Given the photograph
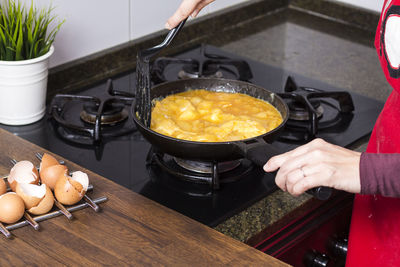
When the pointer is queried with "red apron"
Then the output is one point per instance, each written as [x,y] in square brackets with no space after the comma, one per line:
[375,227]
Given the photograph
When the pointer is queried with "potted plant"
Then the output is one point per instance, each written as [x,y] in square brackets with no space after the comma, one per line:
[26,43]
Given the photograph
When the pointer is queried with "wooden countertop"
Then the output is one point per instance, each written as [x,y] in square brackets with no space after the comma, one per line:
[130,230]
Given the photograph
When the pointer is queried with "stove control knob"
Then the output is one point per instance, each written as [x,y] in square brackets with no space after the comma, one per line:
[338,248]
[316,259]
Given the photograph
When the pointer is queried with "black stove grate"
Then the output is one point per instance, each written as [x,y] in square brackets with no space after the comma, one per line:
[204,64]
[96,124]
[312,110]
[212,181]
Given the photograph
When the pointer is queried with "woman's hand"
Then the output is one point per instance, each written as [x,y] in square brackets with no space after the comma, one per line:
[317,163]
[187,7]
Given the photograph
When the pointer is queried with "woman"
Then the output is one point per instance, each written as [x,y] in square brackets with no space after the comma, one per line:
[374,175]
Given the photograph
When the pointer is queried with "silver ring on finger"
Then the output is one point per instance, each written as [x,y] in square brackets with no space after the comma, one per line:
[302,171]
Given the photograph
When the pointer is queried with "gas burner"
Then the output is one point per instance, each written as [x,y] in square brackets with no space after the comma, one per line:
[204,65]
[206,167]
[298,111]
[209,174]
[190,71]
[87,119]
[112,113]
[308,106]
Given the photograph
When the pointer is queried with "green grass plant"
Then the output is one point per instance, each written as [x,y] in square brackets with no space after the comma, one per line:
[25,33]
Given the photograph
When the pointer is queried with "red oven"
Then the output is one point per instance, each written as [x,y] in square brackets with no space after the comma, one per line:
[315,235]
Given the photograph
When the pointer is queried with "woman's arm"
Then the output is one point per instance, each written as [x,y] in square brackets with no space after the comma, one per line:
[187,8]
[380,174]
[319,163]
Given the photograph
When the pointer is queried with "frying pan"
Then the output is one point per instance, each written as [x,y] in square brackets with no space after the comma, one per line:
[256,149]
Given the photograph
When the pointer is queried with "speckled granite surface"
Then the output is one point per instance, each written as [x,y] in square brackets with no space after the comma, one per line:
[335,47]
[319,48]
[261,215]
[339,11]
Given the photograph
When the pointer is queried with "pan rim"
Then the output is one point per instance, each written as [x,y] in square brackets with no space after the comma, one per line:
[251,139]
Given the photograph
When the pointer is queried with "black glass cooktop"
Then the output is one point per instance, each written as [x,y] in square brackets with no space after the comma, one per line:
[123,159]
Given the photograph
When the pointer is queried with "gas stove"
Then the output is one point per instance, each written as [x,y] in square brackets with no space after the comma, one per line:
[94,129]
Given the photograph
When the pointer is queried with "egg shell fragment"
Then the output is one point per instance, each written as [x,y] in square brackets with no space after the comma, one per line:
[81,178]
[45,204]
[23,172]
[12,207]
[47,161]
[31,194]
[70,189]
[3,186]
[50,175]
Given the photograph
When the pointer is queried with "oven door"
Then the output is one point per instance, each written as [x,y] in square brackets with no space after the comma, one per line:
[317,237]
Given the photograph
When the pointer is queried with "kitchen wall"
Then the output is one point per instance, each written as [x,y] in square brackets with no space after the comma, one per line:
[94,25]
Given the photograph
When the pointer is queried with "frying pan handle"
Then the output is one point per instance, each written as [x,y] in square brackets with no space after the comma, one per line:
[260,152]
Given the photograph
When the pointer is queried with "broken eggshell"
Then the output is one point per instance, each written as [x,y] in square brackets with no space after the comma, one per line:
[38,199]
[3,186]
[23,172]
[50,175]
[70,189]
[47,161]
[45,205]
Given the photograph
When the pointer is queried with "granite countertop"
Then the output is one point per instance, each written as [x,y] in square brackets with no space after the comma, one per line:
[330,53]
[315,38]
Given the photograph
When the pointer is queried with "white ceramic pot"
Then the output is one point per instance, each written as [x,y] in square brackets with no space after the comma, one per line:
[23,88]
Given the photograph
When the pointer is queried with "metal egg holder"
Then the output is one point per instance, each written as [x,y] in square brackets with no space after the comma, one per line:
[62,210]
